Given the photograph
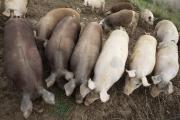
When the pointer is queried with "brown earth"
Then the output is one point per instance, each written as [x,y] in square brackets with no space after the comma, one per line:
[138,106]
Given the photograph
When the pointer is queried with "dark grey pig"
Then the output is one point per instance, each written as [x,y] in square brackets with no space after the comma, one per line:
[83,60]
[23,63]
[60,47]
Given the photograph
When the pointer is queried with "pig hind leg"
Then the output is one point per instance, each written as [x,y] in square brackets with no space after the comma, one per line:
[51,79]
[69,87]
[68,75]
[26,105]
[61,71]
[81,93]
[65,73]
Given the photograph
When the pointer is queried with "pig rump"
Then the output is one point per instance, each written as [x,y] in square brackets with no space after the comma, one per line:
[166,68]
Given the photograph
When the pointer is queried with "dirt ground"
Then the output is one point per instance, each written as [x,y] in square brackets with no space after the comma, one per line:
[138,106]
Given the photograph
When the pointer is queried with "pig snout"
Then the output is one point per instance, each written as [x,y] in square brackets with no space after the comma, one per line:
[81,94]
[90,98]
[165,87]
[131,84]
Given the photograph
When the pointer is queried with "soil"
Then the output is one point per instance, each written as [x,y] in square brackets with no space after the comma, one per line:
[138,106]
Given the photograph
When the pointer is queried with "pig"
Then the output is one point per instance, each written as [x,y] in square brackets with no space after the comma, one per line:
[49,21]
[165,30]
[19,7]
[23,63]
[120,6]
[126,18]
[59,48]
[166,68]
[109,67]
[83,60]
[142,62]
[100,4]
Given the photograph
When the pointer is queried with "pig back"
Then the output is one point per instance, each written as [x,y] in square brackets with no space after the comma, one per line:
[144,55]
[121,18]
[51,19]
[63,39]
[86,51]
[121,6]
[22,59]
[167,58]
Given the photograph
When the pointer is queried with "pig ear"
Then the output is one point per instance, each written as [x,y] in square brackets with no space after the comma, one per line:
[101,22]
[147,33]
[156,79]
[108,13]
[104,96]
[131,73]
[6,13]
[91,84]
[69,87]
[84,90]
[145,82]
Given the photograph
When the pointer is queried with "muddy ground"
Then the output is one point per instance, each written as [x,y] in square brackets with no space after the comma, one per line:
[138,106]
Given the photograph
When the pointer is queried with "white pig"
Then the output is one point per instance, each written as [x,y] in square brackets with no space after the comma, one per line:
[100,4]
[110,65]
[165,30]
[142,62]
[18,6]
[166,68]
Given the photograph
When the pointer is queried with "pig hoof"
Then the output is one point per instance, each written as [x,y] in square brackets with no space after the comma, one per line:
[104,96]
[51,80]
[170,88]
[26,108]
[79,101]
[48,97]
[69,87]
[69,75]
[86,104]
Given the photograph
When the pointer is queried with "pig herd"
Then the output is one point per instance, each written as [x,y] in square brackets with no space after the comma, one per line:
[78,56]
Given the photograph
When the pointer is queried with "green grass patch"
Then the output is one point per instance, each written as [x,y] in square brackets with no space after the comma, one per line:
[63,104]
[160,11]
